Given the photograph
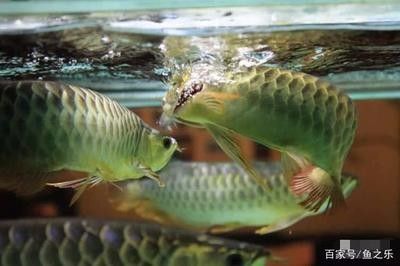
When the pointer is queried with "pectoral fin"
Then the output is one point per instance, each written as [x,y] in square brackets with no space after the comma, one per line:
[229,144]
[80,185]
[69,184]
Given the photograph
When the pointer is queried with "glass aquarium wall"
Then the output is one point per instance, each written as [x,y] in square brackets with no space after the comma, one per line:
[120,47]
[129,51]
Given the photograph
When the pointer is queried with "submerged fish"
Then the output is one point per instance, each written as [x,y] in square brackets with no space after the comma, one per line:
[307,119]
[218,197]
[48,126]
[99,242]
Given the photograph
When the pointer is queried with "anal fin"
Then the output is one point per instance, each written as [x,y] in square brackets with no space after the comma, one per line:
[228,143]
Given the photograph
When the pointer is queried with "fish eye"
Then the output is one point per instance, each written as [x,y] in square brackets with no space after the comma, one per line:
[234,260]
[167,142]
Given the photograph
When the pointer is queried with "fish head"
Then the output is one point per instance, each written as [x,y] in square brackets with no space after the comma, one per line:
[171,98]
[182,102]
[216,254]
[159,150]
[179,103]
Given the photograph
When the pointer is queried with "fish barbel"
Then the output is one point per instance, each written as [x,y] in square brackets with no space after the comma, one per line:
[217,197]
[48,126]
[51,242]
[307,119]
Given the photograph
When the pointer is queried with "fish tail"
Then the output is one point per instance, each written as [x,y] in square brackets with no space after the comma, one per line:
[319,187]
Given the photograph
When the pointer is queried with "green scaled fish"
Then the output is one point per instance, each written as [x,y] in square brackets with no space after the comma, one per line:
[52,242]
[47,126]
[307,119]
[218,197]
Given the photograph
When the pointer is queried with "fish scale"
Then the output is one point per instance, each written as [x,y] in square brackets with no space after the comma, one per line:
[212,198]
[310,121]
[50,126]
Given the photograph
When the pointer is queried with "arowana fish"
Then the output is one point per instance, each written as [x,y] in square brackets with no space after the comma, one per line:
[48,126]
[217,197]
[51,242]
[307,119]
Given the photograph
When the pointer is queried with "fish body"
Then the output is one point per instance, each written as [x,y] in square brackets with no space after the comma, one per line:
[218,197]
[43,242]
[46,127]
[307,119]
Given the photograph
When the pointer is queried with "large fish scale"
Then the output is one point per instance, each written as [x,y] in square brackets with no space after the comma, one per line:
[310,113]
[308,120]
[90,242]
[49,126]
[205,195]
[63,121]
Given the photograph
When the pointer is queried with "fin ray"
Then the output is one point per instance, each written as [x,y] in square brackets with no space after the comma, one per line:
[319,187]
[228,143]
[292,164]
[289,167]
[80,185]
[152,175]
[68,184]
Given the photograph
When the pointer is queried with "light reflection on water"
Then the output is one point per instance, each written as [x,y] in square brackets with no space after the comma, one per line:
[134,66]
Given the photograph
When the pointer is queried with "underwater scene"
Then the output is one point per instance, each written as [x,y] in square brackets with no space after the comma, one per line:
[191,133]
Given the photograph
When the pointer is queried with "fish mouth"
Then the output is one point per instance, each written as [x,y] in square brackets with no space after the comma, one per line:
[188,93]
